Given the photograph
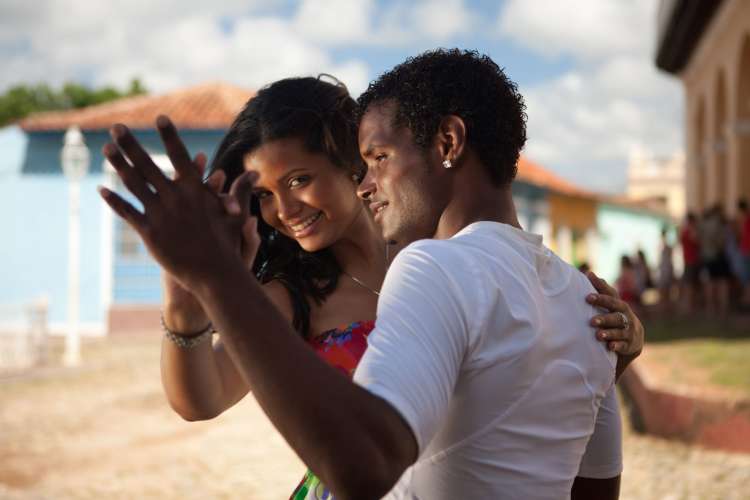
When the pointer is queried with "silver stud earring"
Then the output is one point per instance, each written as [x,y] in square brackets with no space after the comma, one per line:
[447,164]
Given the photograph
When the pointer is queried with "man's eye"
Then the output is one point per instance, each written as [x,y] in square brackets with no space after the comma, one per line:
[298,181]
[262,194]
[380,157]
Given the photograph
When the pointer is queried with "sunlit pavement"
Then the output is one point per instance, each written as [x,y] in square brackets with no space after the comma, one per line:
[105,431]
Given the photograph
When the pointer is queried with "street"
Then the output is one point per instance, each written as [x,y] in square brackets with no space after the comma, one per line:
[105,430]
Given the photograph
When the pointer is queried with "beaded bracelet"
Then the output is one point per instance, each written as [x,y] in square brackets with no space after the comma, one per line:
[185,341]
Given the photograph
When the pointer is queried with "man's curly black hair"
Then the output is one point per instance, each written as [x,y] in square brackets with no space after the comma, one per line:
[442,82]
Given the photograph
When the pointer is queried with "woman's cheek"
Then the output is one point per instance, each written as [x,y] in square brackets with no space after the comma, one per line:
[268,214]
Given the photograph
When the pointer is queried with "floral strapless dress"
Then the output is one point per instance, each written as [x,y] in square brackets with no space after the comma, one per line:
[342,348]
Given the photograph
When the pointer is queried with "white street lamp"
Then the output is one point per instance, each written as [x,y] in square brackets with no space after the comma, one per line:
[75,163]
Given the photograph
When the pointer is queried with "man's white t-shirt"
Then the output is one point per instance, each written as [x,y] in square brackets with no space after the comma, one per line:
[482,343]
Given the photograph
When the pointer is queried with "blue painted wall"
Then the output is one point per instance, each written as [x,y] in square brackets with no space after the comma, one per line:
[34,257]
[136,277]
[34,203]
[43,151]
[12,148]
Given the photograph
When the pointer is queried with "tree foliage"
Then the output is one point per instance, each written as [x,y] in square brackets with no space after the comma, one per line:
[21,100]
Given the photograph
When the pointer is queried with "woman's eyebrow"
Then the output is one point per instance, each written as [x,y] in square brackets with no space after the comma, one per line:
[291,173]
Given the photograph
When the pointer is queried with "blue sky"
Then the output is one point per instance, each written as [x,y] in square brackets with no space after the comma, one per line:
[585,67]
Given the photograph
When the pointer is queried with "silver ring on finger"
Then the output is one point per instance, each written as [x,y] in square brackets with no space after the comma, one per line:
[625,321]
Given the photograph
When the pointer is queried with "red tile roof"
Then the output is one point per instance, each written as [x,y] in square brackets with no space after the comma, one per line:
[205,106]
[532,173]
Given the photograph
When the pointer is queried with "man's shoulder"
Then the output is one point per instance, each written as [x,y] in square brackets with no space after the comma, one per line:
[446,264]
[474,237]
[439,252]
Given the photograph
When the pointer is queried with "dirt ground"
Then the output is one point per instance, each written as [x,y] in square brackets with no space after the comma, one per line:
[672,366]
[105,431]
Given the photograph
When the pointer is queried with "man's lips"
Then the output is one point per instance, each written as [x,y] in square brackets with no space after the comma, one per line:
[377,207]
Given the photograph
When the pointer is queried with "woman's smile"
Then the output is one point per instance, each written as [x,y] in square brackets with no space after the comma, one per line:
[306,226]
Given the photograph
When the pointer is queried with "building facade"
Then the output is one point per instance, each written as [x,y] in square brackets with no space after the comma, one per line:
[658,179]
[707,45]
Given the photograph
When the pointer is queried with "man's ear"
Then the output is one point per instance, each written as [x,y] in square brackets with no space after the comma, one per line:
[451,138]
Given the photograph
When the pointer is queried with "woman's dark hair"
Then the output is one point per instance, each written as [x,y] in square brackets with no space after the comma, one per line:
[323,116]
[443,82]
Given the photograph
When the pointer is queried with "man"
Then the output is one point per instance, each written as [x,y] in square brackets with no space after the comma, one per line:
[461,134]
[466,390]
[691,256]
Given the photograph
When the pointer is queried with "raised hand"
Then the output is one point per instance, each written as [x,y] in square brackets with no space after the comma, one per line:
[190,231]
[182,311]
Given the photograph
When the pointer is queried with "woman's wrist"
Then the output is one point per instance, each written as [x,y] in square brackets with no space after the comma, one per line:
[187,341]
[184,320]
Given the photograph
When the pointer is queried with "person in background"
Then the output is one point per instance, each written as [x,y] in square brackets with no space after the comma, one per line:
[691,256]
[666,272]
[712,234]
[627,283]
[743,231]
[643,278]
[737,277]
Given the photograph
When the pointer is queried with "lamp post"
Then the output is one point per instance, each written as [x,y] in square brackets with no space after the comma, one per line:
[75,163]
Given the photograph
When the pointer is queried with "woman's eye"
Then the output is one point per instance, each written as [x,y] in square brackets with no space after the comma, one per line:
[380,157]
[298,181]
[262,194]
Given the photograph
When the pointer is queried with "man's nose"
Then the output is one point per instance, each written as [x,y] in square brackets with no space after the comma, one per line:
[367,188]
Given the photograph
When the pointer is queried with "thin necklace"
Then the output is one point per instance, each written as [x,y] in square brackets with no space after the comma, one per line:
[360,283]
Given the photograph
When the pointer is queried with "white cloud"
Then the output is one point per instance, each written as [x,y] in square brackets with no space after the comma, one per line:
[364,23]
[442,19]
[334,21]
[173,43]
[585,122]
[355,74]
[168,44]
[584,126]
[582,28]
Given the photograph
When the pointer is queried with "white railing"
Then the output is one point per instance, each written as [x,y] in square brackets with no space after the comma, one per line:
[23,335]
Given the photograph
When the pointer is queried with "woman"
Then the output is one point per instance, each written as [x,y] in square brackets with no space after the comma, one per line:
[321,257]
[712,233]
[627,282]
[666,272]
